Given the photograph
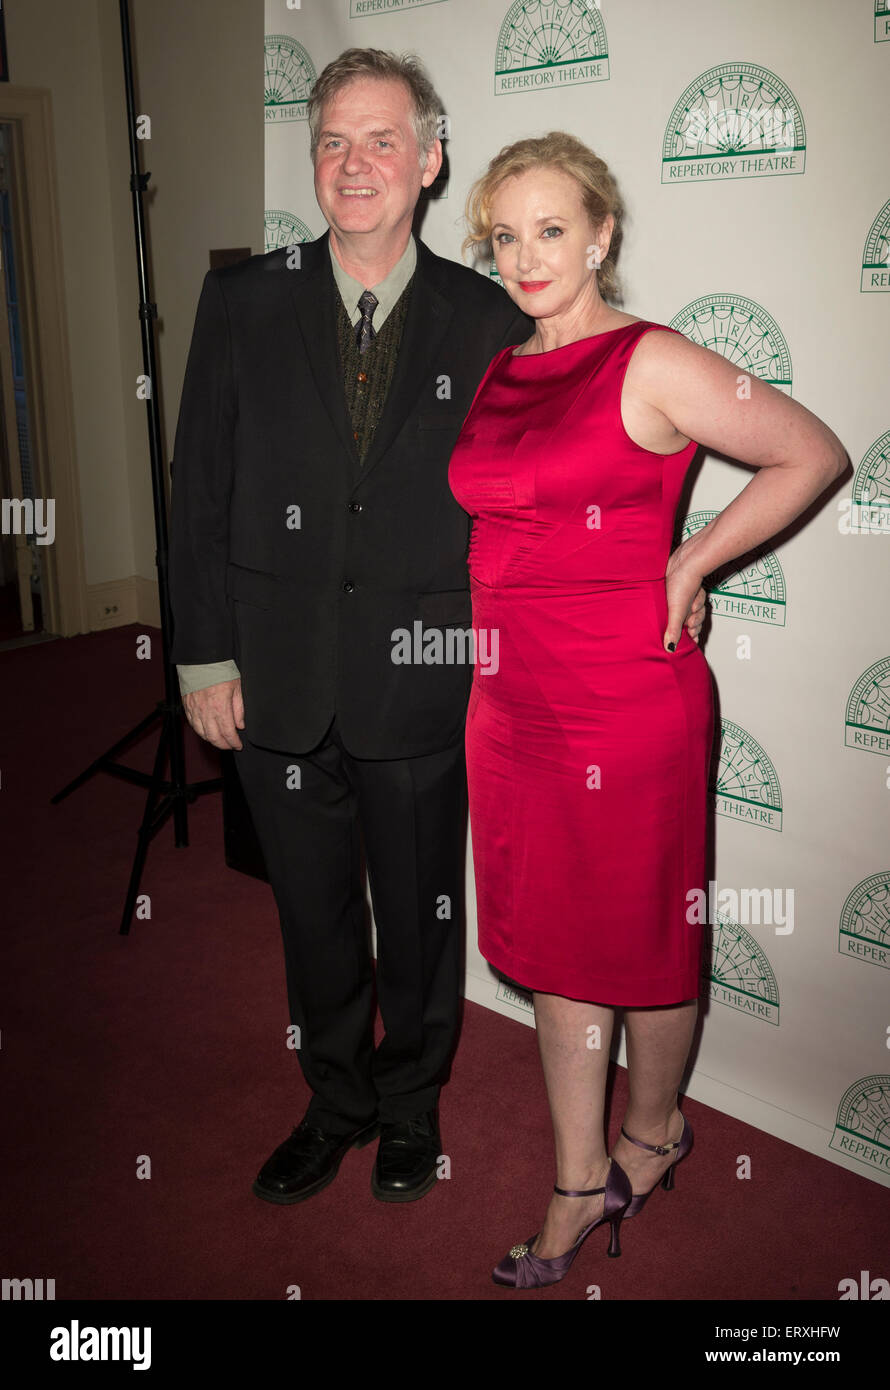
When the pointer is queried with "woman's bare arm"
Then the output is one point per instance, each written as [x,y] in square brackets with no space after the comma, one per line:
[707,398]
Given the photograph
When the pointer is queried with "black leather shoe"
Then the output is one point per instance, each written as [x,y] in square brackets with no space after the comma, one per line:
[306,1162]
[406,1158]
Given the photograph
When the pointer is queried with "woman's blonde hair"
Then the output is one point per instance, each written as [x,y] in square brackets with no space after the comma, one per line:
[557,150]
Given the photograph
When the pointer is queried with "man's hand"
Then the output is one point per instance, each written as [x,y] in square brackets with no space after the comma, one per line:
[216,713]
[686,598]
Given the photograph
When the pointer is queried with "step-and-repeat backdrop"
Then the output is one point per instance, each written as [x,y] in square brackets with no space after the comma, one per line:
[750,150]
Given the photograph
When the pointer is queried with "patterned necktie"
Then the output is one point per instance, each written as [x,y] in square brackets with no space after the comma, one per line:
[364,332]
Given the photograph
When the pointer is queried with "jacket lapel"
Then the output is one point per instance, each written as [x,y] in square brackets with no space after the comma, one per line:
[315,298]
[427,320]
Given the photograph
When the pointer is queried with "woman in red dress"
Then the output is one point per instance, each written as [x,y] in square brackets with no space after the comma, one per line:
[590,725]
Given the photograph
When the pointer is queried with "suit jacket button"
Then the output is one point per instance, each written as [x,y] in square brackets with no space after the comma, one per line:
[355,506]
[348,586]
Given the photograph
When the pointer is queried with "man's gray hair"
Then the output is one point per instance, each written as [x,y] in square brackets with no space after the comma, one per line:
[375,62]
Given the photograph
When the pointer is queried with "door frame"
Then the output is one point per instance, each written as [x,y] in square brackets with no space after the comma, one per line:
[39,267]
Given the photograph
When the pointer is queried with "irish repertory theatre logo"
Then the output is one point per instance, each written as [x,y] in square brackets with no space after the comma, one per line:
[864,930]
[512,994]
[868,710]
[741,331]
[734,121]
[862,1127]
[866,512]
[882,20]
[876,254]
[549,44]
[284,229]
[289,79]
[747,787]
[359,9]
[755,593]
[740,974]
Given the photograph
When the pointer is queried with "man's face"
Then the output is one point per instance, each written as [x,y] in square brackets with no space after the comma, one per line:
[368,174]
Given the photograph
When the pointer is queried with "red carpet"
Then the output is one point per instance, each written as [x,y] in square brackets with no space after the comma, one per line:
[171,1044]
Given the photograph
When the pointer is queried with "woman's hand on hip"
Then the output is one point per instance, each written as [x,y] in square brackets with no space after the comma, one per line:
[686,599]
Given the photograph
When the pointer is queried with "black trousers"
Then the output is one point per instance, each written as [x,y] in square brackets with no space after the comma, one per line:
[308,811]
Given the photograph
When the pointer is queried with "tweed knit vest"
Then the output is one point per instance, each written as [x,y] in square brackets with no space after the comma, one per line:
[367,375]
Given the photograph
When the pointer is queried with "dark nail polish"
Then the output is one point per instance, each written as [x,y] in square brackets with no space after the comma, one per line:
[671,646]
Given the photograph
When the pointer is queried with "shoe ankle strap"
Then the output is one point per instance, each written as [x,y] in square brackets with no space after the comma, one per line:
[588,1192]
[654,1148]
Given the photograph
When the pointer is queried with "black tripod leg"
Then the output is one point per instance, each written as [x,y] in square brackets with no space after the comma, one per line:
[143,838]
[108,756]
[177,778]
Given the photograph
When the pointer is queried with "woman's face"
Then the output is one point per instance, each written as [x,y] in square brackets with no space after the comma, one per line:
[545,243]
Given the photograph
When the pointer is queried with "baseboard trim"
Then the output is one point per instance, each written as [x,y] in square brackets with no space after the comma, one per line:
[122,601]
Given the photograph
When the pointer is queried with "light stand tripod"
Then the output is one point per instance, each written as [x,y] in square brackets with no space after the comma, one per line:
[165,795]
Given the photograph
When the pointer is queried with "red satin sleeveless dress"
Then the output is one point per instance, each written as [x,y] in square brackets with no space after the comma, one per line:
[587,742]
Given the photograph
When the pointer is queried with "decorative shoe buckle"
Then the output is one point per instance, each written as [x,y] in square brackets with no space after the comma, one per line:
[517,1251]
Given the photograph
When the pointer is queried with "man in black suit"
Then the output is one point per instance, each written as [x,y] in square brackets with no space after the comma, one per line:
[311,522]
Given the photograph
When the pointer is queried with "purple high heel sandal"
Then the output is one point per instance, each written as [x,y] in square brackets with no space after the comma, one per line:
[521,1269]
[682,1145]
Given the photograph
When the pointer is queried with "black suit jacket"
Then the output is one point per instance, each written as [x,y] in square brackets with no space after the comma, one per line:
[307,601]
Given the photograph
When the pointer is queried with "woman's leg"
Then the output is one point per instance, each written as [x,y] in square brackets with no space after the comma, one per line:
[658,1042]
[575,1059]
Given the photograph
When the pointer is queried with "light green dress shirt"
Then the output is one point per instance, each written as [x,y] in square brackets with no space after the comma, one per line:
[388,291]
